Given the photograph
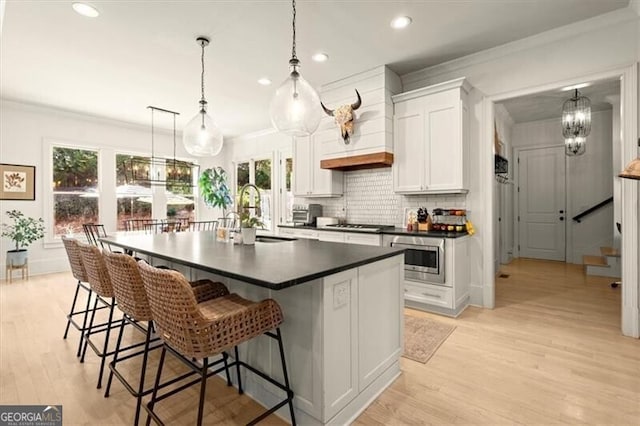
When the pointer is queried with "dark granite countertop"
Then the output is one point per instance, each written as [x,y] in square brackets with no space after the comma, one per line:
[394,231]
[271,265]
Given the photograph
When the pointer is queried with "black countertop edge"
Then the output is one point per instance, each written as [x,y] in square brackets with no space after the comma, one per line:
[394,231]
[260,283]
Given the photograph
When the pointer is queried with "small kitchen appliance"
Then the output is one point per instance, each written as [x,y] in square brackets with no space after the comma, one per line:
[324,221]
[306,214]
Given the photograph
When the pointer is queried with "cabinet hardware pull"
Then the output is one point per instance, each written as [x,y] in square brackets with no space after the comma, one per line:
[437,296]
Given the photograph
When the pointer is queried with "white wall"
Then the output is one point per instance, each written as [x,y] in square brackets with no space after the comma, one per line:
[589,180]
[600,44]
[24,134]
[503,200]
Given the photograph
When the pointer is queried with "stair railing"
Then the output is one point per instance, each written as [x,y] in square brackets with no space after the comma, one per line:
[590,210]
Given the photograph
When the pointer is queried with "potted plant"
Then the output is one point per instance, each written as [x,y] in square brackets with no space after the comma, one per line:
[23,232]
[248,226]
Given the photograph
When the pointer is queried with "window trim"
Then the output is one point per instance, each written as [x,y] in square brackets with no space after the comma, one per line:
[50,239]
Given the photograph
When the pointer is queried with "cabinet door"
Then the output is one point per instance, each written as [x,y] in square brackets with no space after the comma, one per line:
[444,141]
[331,236]
[409,160]
[324,183]
[363,239]
[301,166]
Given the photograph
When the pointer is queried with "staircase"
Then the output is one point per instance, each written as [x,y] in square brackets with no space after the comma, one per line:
[605,265]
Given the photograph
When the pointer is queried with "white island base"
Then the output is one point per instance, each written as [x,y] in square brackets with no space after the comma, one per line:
[343,339]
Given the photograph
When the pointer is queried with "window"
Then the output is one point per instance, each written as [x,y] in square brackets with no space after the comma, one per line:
[75,189]
[287,199]
[258,172]
[134,201]
[180,191]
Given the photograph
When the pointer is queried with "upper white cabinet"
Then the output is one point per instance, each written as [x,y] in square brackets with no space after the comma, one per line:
[431,139]
[309,180]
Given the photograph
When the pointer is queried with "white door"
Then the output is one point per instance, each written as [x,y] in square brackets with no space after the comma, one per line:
[541,213]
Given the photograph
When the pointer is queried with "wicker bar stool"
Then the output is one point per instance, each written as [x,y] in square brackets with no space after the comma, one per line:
[199,331]
[101,286]
[79,273]
[132,301]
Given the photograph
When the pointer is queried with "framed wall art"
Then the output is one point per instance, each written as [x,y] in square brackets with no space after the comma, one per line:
[17,182]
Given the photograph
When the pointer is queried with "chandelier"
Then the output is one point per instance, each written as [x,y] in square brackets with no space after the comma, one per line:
[158,170]
[201,137]
[295,107]
[576,123]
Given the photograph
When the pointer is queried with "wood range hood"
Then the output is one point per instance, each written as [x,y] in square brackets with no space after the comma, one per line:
[359,162]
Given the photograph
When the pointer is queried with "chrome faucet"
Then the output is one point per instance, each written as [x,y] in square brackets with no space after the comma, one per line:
[241,208]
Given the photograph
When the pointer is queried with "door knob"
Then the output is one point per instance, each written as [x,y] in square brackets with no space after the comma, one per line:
[561,211]
[561,218]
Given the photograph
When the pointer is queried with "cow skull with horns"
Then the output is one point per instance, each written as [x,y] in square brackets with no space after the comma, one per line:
[344,117]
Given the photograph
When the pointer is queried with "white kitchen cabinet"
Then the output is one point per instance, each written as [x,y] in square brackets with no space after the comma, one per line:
[331,236]
[431,139]
[309,180]
[309,234]
[351,238]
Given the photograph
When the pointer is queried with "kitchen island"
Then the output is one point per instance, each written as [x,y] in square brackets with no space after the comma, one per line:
[342,306]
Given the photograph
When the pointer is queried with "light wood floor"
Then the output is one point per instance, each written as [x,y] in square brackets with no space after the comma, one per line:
[549,353]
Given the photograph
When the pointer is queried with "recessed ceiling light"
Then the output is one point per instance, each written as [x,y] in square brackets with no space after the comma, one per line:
[264,81]
[320,57]
[400,22]
[85,9]
[575,86]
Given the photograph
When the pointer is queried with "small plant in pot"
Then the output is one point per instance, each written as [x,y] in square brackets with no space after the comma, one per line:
[248,228]
[23,232]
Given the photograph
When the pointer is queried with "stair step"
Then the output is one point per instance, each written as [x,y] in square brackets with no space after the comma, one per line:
[609,251]
[595,261]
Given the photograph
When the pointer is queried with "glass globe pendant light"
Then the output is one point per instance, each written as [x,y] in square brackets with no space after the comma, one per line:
[201,137]
[575,146]
[576,124]
[295,107]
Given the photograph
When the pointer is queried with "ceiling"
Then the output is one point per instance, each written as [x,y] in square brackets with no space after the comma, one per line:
[139,53]
[548,105]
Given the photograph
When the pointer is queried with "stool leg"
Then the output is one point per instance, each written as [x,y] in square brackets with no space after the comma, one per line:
[84,321]
[203,389]
[145,356]
[73,307]
[225,357]
[88,331]
[156,385]
[286,376]
[115,357]
[106,343]
[240,391]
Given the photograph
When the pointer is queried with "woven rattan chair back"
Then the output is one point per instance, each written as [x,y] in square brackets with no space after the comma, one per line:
[127,285]
[96,270]
[205,225]
[198,332]
[75,259]
[174,308]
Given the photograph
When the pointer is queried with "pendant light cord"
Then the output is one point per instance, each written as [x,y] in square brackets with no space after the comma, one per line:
[293,24]
[202,100]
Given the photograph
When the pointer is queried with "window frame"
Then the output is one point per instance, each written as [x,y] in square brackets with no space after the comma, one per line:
[50,239]
[275,184]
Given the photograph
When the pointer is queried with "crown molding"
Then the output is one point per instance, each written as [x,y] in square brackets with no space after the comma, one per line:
[617,17]
[67,113]
[458,83]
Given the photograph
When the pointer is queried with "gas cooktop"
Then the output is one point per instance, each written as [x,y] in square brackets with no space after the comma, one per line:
[360,228]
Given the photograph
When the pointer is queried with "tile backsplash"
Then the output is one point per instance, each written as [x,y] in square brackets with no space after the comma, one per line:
[369,199]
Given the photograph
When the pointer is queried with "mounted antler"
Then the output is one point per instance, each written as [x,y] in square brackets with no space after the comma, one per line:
[344,117]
